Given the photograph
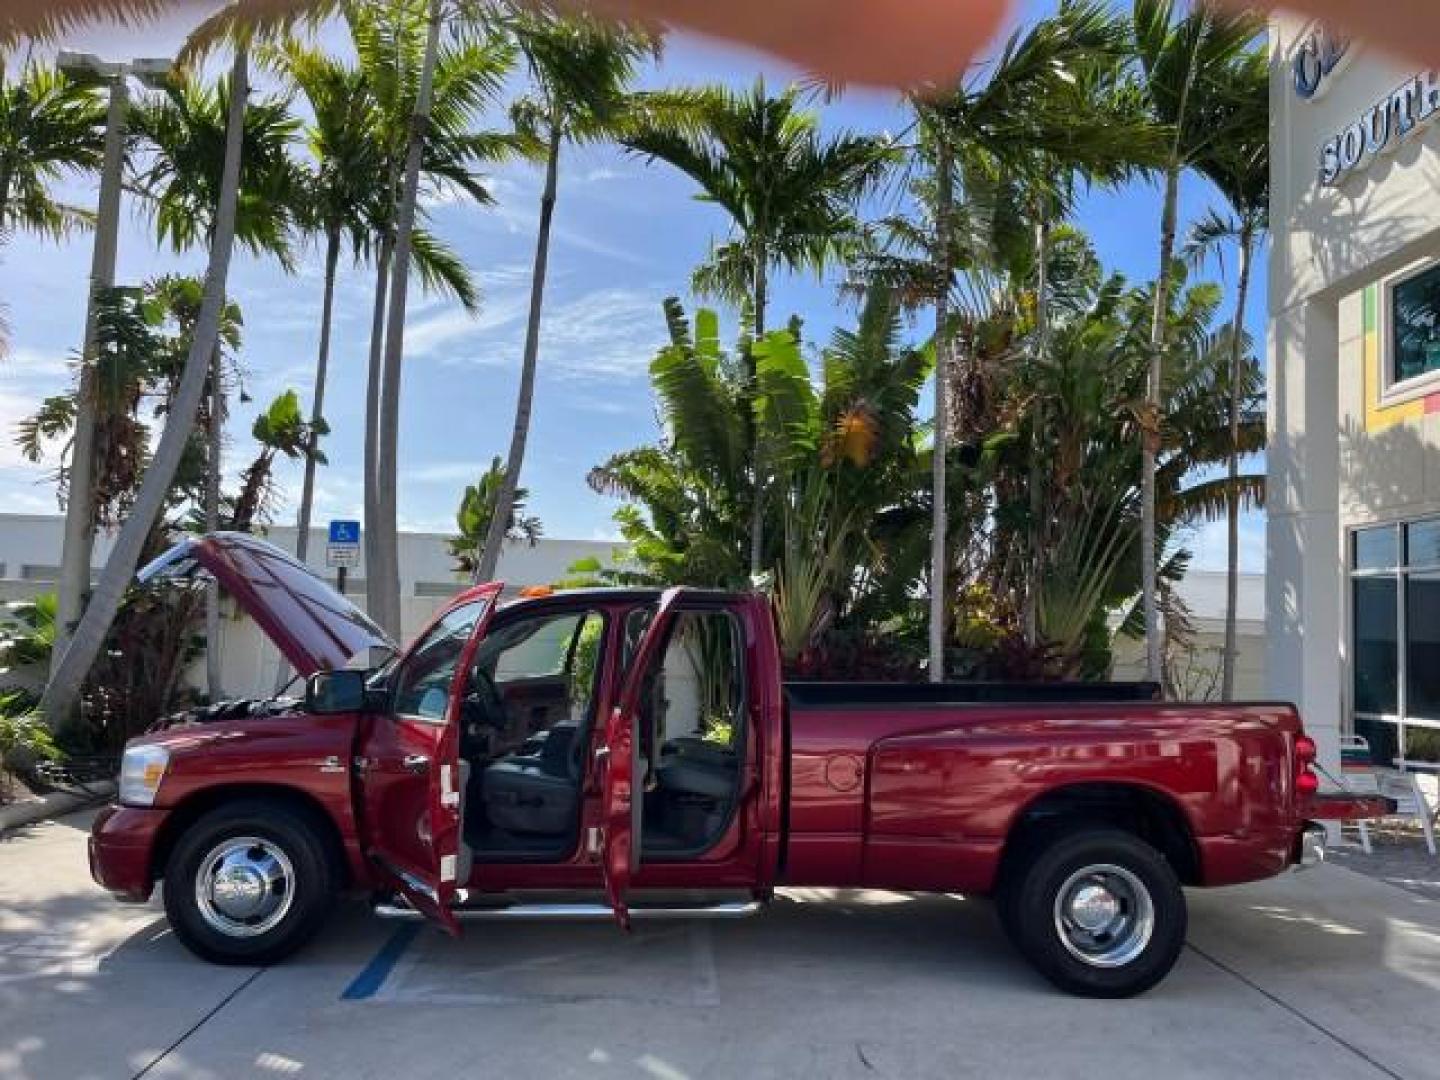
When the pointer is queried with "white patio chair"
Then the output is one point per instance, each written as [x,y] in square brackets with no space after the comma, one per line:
[1358,776]
[1362,777]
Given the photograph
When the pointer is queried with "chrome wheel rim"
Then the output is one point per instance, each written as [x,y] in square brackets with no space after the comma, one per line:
[245,886]
[1104,915]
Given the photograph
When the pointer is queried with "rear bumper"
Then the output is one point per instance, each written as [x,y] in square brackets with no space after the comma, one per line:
[122,850]
[1344,806]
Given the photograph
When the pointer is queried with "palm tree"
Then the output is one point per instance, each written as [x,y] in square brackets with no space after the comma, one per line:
[428,95]
[477,510]
[579,69]
[1188,66]
[789,191]
[1112,139]
[184,129]
[976,144]
[1241,170]
[50,126]
[341,185]
[63,689]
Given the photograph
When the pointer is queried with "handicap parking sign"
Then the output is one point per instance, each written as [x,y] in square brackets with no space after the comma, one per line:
[343,549]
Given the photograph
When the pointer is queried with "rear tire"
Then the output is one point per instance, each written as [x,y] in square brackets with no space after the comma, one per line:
[248,883]
[1099,913]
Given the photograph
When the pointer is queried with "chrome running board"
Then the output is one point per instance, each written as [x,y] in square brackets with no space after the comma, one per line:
[578,912]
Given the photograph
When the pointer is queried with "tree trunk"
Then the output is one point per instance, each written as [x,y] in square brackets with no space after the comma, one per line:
[63,690]
[317,401]
[317,415]
[757,450]
[1232,492]
[7,174]
[944,193]
[78,545]
[387,541]
[505,497]
[372,420]
[213,436]
[1150,431]
[1037,494]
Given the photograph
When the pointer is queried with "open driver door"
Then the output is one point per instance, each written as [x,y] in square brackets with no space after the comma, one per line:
[411,778]
[619,764]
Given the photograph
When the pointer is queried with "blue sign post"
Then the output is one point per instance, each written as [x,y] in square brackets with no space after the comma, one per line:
[343,549]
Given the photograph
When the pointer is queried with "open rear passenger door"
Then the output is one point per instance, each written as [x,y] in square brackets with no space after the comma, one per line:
[622,775]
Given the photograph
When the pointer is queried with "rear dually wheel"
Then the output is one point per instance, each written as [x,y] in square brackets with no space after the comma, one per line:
[1099,912]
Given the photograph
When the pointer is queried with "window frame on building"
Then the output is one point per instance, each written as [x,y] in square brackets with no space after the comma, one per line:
[1393,389]
[1401,573]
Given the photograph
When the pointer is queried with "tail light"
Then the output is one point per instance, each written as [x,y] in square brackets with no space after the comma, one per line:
[1306,782]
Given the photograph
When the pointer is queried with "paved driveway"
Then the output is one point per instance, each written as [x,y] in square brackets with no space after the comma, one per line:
[1316,976]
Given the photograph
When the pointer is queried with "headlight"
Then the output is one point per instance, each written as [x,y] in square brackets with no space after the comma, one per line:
[141,770]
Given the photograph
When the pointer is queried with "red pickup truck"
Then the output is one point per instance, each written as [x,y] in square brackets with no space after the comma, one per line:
[633,753]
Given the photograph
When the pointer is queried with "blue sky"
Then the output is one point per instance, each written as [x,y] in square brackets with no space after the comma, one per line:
[626,236]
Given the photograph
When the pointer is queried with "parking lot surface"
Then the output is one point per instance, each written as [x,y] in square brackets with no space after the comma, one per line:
[1327,974]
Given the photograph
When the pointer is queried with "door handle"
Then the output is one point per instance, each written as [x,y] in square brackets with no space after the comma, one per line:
[418,764]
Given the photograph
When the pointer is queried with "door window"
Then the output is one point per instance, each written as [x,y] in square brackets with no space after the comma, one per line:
[422,685]
[692,729]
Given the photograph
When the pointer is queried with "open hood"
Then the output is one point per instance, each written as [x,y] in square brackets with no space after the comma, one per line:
[315,627]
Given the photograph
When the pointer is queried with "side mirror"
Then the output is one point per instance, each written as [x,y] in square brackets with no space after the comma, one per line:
[331,692]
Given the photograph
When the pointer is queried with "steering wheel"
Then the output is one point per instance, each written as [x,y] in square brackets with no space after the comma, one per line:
[482,706]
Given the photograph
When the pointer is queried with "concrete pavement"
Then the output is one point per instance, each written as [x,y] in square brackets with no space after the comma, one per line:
[1322,975]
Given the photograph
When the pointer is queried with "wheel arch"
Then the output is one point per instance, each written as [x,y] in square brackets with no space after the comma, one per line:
[196,805]
[1144,811]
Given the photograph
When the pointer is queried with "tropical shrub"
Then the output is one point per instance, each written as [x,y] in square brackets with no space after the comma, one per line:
[24,738]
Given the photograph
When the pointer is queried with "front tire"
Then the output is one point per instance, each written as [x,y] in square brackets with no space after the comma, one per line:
[248,883]
[1099,913]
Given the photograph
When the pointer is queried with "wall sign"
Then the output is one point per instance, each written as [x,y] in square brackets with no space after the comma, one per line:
[1316,60]
[1382,127]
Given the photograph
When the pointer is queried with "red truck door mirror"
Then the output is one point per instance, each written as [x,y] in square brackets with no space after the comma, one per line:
[330,692]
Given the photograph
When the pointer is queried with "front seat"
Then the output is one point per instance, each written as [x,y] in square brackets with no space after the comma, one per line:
[535,794]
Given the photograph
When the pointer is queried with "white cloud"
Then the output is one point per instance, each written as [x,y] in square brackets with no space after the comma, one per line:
[604,174]
[446,472]
[455,324]
[29,364]
[606,333]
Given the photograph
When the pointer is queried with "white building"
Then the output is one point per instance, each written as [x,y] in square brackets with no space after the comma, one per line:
[1197,668]
[30,563]
[1353,595]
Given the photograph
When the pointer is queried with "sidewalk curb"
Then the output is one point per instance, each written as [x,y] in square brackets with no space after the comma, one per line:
[53,805]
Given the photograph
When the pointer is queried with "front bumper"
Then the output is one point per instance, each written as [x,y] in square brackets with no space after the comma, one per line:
[1310,846]
[122,847]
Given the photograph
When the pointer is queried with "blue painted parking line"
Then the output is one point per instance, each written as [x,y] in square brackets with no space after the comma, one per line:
[373,977]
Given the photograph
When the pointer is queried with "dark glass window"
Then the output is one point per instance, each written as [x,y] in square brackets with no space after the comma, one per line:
[1422,646]
[1377,549]
[1376,656]
[1424,545]
[1415,319]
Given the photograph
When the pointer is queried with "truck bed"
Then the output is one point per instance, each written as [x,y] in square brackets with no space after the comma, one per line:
[870,695]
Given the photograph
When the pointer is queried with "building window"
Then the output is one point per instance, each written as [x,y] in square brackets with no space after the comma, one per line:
[1415,325]
[1395,638]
